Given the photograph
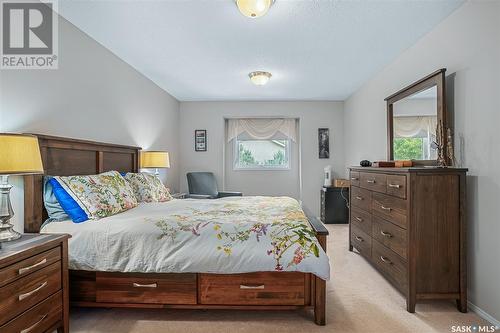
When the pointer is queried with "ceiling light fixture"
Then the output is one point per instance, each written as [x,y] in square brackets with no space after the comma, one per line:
[254,8]
[259,78]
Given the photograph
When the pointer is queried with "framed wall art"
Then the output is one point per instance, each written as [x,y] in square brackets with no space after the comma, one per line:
[324,142]
[200,140]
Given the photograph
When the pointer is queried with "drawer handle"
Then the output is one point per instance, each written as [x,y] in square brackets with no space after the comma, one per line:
[371,181]
[151,285]
[386,234]
[244,286]
[25,269]
[359,198]
[359,219]
[29,329]
[23,296]
[386,208]
[359,239]
[395,185]
[384,259]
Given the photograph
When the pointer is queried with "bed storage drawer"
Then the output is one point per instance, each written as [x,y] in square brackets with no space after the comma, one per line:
[262,288]
[40,318]
[146,288]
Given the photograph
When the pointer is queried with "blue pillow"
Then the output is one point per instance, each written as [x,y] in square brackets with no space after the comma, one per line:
[69,204]
[54,210]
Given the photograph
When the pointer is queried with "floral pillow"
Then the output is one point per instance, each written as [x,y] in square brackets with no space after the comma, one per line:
[100,195]
[147,187]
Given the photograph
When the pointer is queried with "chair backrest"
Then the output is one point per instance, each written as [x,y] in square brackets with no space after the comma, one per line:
[202,183]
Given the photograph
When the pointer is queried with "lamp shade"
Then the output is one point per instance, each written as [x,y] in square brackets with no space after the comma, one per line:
[154,159]
[19,154]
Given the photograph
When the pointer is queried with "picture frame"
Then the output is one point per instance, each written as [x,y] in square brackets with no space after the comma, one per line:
[200,140]
[324,143]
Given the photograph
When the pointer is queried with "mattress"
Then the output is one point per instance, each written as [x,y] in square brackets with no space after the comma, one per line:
[228,235]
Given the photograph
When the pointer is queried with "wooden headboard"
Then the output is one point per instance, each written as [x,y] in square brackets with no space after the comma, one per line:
[65,157]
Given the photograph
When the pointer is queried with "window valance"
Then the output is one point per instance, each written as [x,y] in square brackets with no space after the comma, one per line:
[414,127]
[262,128]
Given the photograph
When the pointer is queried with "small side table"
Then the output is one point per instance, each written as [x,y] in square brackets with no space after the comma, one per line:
[34,271]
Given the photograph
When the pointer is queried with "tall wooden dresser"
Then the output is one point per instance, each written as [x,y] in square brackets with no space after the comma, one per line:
[410,224]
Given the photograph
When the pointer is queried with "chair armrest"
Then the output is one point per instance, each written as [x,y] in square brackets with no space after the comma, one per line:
[229,194]
[318,227]
[200,196]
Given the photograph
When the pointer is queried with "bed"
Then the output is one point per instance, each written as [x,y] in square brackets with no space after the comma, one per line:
[244,278]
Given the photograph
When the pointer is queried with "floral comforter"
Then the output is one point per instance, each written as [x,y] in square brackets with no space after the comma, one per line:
[229,235]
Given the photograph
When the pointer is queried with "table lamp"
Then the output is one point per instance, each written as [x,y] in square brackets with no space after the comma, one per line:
[155,160]
[19,155]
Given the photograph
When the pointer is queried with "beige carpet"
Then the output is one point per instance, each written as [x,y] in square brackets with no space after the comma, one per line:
[358,300]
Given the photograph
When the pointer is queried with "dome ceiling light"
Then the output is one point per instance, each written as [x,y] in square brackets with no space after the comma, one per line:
[254,8]
[259,78]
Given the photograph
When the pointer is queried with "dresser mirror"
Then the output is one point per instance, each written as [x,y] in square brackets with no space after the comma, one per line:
[417,122]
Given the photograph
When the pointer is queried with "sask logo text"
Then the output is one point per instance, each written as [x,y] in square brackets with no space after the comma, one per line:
[29,35]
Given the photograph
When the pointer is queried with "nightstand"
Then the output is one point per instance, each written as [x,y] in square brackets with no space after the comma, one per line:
[34,284]
[179,195]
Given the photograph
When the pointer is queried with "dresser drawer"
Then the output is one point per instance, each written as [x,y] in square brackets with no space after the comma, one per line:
[38,319]
[390,208]
[373,181]
[396,185]
[361,198]
[389,262]
[361,241]
[361,219]
[355,178]
[262,288]
[390,235]
[27,291]
[147,288]
[30,265]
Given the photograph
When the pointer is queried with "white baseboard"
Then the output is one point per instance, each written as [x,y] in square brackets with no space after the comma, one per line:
[483,314]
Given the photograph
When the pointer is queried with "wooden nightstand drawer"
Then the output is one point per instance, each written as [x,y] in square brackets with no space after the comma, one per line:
[27,291]
[40,318]
[28,266]
[263,288]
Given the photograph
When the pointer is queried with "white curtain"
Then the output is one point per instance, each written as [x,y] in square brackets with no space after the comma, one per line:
[410,127]
[262,128]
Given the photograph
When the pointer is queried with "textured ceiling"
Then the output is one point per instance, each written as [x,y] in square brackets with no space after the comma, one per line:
[203,50]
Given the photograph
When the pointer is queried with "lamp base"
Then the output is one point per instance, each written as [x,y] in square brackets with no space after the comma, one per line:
[8,234]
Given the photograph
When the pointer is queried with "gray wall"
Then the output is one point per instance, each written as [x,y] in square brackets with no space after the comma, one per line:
[312,115]
[468,44]
[93,95]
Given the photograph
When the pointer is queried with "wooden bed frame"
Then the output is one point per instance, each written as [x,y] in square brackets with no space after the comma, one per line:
[250,291]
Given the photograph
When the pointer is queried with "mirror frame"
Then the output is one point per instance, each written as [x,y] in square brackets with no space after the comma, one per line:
[435,79]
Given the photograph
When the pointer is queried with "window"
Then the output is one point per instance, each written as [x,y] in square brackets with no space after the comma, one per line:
[262,154]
